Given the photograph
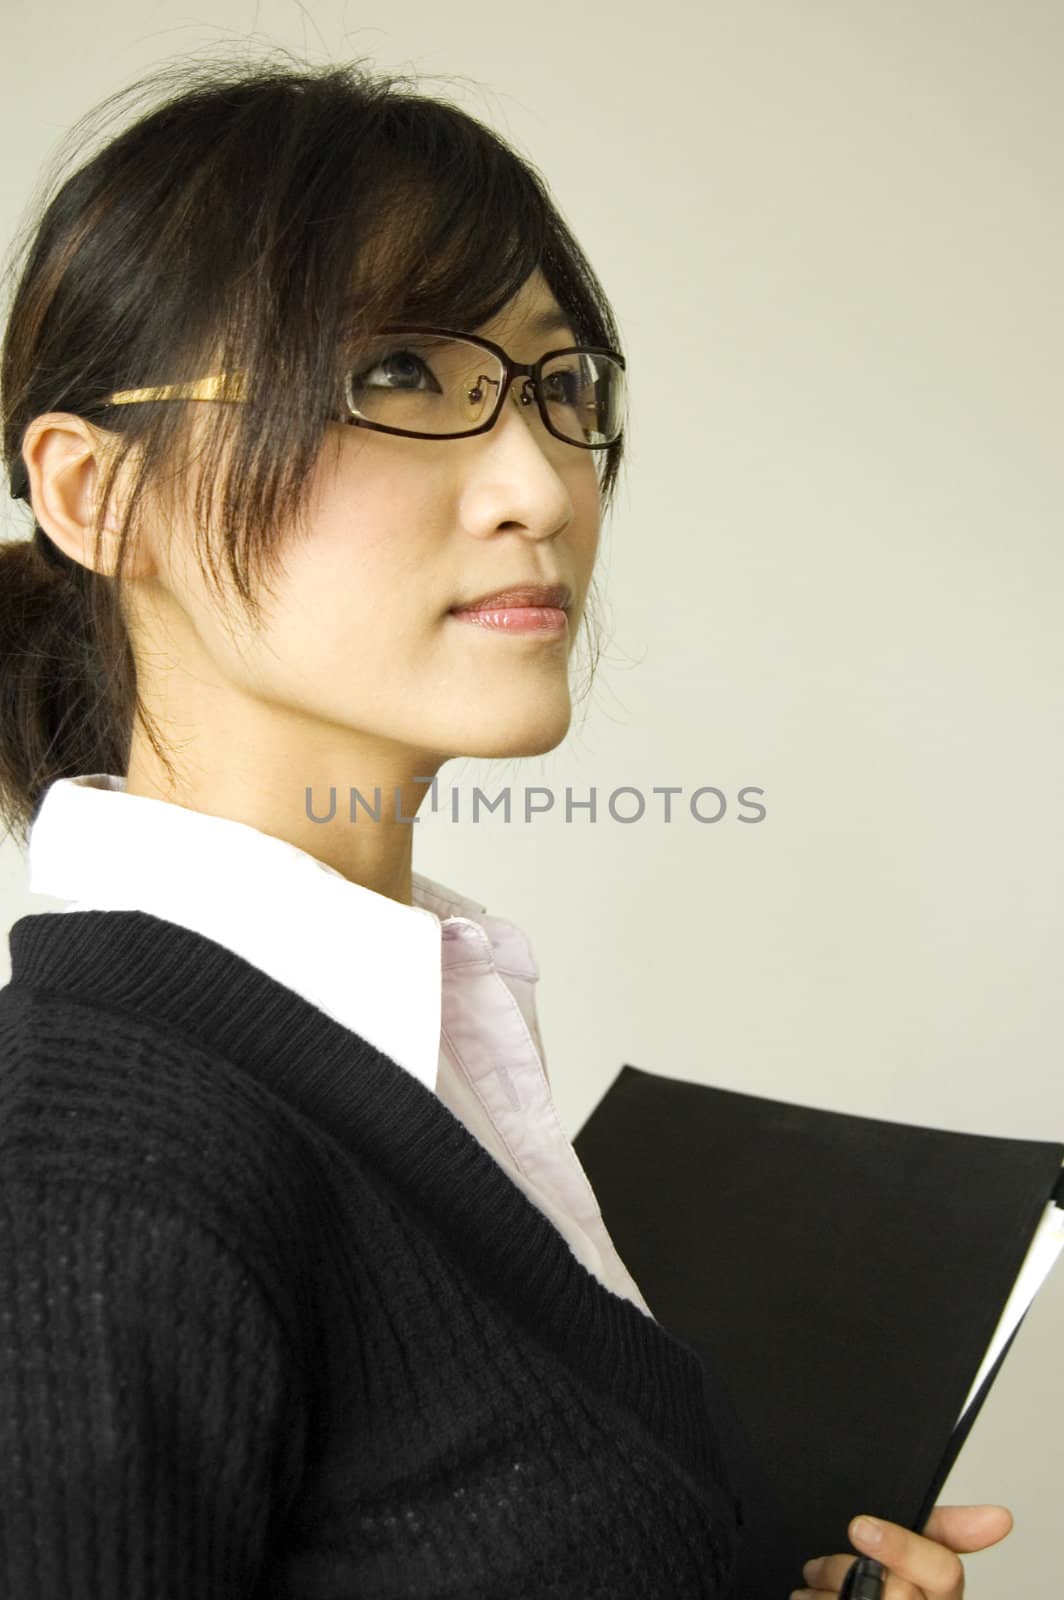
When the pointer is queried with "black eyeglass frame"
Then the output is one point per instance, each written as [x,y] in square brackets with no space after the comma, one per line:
[232,388]
[511,369]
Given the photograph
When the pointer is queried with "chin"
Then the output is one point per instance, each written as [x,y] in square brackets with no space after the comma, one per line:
[531,734]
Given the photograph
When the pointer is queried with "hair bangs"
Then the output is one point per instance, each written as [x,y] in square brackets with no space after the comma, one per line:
[253,222]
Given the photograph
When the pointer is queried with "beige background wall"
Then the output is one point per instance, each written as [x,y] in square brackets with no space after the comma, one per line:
[834,236]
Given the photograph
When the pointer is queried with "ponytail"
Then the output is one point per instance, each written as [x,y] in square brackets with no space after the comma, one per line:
[66,676]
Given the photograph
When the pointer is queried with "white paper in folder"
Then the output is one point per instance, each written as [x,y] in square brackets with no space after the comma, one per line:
[1044,1249]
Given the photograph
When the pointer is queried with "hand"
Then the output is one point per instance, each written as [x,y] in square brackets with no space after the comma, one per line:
[919,1566]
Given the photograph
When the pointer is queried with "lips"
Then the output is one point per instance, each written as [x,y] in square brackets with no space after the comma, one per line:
[553,594]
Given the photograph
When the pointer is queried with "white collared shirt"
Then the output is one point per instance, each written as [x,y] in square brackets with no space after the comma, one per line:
[470,1034]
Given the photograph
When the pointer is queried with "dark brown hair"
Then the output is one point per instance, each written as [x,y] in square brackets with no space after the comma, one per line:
[257,219]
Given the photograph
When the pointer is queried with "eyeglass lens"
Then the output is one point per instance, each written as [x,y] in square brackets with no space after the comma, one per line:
[429,384]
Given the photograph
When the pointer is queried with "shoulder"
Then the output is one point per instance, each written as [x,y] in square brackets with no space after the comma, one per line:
[116,1105]
[104,1078]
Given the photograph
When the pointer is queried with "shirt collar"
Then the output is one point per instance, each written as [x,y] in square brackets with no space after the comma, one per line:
[370,962]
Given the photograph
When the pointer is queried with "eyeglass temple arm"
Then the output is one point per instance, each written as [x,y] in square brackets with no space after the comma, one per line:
[220,386]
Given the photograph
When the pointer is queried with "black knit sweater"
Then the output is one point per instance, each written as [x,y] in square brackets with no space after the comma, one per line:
[274,1323]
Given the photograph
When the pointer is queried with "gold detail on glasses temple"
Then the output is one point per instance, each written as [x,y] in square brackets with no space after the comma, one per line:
[218,387]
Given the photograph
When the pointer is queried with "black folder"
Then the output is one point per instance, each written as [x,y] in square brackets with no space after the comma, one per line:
[841,1278]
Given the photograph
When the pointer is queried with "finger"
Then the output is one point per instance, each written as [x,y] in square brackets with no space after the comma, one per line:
[828,1573]
[893,1589]
[969,1528]
[923,1562]
[964,1528]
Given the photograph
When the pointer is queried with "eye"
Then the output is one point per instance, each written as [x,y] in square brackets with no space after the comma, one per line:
[400,363]
[562,385]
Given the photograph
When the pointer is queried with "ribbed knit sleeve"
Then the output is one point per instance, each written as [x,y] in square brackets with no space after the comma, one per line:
[149,1418]
[275,1326]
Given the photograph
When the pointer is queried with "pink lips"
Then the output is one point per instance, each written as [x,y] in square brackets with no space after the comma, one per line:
[530,609]
[554,595]
[518,619]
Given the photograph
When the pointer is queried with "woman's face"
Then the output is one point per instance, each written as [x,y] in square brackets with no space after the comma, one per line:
[358,646]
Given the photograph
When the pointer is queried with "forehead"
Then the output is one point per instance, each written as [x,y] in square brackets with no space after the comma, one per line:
[533,313]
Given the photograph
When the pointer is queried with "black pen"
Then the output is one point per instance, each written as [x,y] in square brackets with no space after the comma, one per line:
[864,1581]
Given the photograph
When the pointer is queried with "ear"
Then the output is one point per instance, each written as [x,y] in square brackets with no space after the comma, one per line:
[64,456]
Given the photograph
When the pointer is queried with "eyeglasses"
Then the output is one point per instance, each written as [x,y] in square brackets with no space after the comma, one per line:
[440,384]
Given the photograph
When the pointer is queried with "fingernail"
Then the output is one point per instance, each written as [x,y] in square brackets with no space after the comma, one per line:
[868,1530]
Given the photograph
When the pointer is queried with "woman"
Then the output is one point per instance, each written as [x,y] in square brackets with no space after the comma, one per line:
[304,1290]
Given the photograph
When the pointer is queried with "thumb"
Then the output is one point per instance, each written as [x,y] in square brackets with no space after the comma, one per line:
[964,1528]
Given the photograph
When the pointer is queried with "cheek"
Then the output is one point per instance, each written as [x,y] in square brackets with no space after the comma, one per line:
[367,532]
[587,501]
[353,597]
[350,563]
[587,540]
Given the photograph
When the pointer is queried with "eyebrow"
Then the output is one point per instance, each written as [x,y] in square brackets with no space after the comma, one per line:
[551,320]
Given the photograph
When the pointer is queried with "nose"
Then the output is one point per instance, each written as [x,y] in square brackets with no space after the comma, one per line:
[531,493]
[553,452]
[523,395]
